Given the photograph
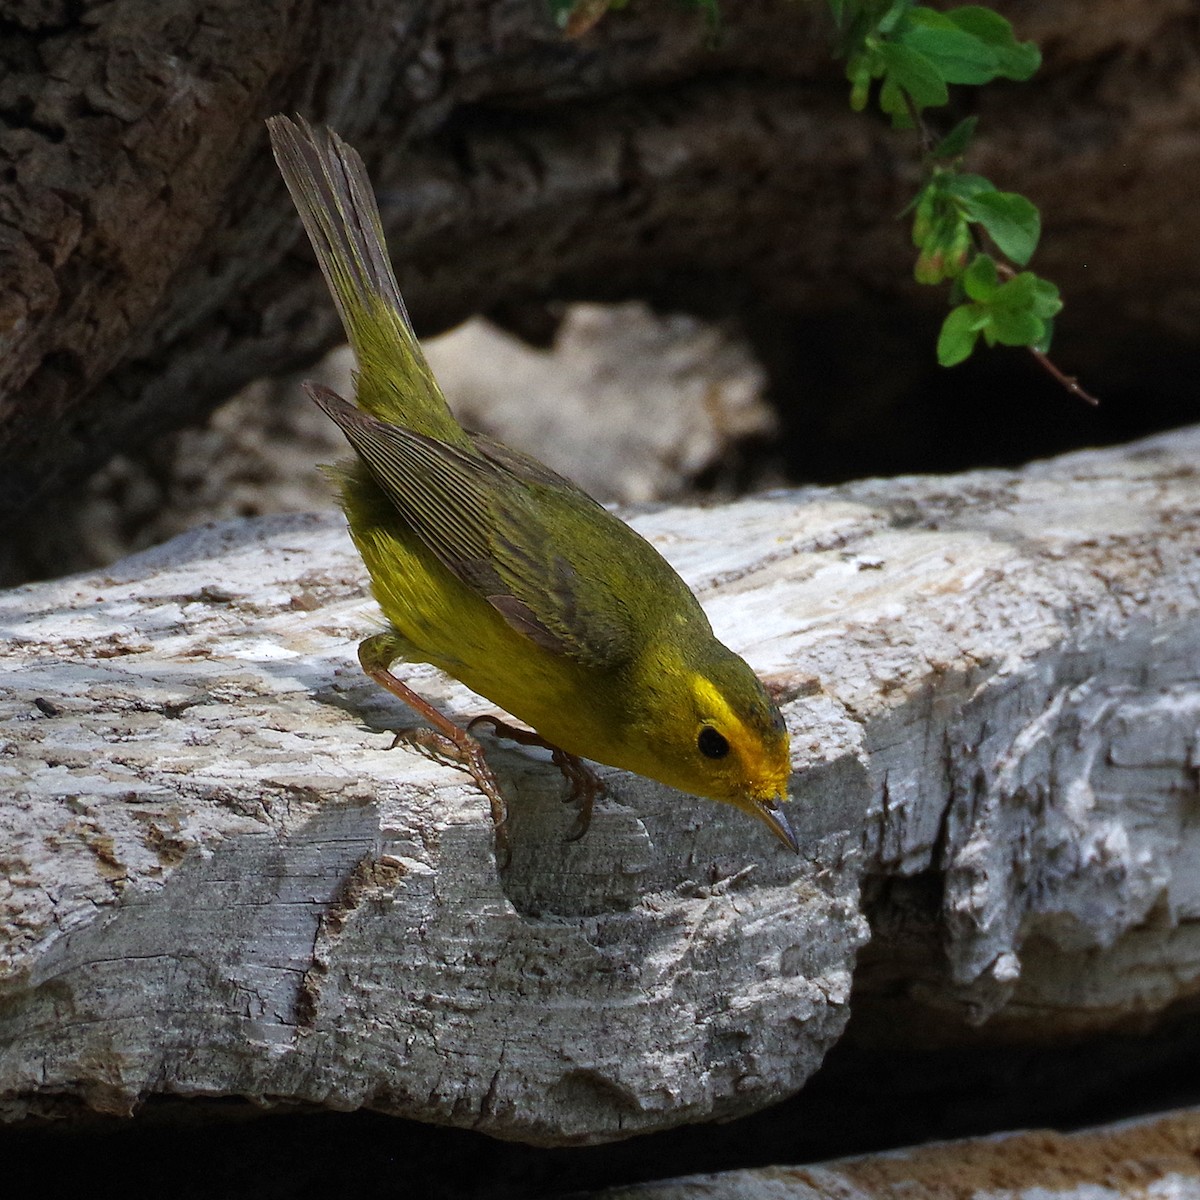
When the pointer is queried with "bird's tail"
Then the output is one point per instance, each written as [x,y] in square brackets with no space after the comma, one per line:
[330,188]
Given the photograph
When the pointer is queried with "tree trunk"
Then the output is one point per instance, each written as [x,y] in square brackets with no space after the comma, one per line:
[154,261]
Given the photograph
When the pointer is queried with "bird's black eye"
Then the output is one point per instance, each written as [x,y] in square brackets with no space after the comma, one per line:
[711,743]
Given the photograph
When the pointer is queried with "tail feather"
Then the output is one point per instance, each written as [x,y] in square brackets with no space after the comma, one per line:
[332,193]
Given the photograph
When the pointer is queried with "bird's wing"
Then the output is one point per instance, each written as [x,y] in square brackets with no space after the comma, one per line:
[524,538]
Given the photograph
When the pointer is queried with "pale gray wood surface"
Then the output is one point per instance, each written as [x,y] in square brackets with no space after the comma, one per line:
[217,879]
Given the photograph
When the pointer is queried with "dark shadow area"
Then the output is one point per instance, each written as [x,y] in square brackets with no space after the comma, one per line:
[863,397]
[860,1100]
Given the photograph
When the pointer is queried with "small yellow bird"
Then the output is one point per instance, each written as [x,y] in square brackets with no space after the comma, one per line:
[506,575]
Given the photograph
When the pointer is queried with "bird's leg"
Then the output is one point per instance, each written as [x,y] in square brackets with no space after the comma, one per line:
[376,654]
[584,783]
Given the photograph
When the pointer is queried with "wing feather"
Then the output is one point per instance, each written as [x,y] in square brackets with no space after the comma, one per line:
[475,513]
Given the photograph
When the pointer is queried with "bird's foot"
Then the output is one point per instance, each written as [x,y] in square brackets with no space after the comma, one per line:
[584,785]
[445,739]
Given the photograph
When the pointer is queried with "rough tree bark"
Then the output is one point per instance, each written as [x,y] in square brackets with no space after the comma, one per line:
[151,255]
[217,881]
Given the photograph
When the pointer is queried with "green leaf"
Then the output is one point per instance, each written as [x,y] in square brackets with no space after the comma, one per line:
[944,250]
[959,56]
[861,68]
[969,45]
[957,140]
[889,20]
[964,187]
[1042,345]
[860,93]
[1021,62]
[1046,301]
[959,333]
[1014,60]
[928,269]
[924,209]
[1014,326]
[893,100]
[1011,314]
[984,23]
[914,73]
[979,279]
[1018,292]
[1011,221]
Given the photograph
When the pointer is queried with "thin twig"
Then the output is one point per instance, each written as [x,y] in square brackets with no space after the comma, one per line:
[1067,381]
[914,113]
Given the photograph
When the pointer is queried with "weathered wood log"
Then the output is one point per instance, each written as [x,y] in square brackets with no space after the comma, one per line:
[218,880]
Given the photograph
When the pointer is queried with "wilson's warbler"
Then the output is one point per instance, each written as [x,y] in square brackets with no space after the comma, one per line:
[506,575]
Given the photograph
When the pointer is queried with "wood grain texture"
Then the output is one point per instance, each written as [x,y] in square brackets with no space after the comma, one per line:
[218,880]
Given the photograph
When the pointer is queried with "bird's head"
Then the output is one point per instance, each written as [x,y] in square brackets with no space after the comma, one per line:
[726,738]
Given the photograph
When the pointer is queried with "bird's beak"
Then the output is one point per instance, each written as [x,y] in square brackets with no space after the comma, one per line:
[770,812]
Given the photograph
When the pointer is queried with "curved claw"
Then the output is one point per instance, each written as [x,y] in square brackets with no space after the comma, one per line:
[584,786]
[466,753]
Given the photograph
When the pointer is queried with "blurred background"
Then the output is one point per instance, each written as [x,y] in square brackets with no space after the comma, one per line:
[680,257]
